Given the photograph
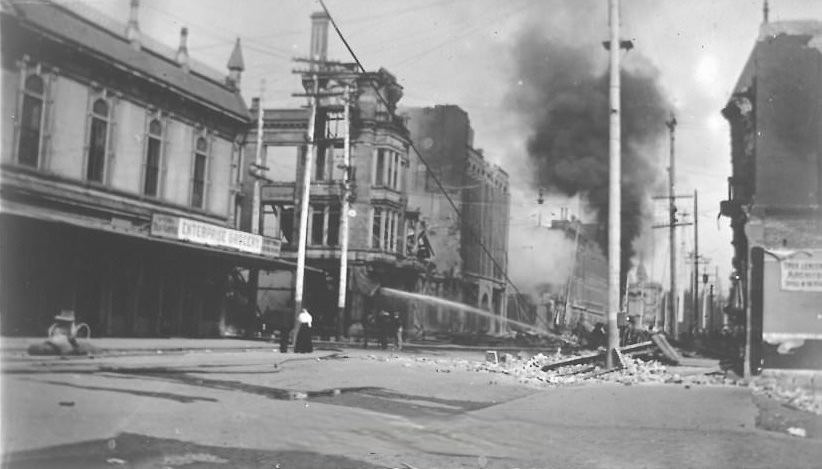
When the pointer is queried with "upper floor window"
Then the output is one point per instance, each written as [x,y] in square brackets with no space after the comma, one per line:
[325,225]
[278,221]
[384,227]
[154,144]
[198,176]
[98,138]
[31,121]
[387,168]
[320,163]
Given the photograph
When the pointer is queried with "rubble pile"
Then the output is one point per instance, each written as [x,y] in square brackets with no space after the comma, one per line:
[527,370]
[530,371]
[796,397]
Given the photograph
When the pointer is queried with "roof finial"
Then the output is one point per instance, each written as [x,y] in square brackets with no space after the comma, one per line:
[182,51]
[765,11]
[133,27]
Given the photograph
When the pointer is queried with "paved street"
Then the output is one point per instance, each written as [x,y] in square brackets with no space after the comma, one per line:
[362,409]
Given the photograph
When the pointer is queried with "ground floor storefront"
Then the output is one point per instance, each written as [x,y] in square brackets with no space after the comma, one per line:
[119,284]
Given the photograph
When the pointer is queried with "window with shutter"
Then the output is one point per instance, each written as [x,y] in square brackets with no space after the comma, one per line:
[97,141]
[154,145]
[198,182]
[31,121]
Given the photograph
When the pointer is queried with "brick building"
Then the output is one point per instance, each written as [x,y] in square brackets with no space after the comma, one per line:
[460,268]
[775,194]
[378,216]
[120,166]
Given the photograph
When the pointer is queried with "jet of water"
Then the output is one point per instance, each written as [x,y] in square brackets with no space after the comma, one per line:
[466,308]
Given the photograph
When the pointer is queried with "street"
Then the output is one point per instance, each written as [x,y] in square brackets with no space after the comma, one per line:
[355,408]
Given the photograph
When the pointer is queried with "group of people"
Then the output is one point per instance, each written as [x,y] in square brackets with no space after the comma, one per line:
[382,326]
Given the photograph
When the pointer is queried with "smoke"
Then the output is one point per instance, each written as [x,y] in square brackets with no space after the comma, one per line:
[562,98]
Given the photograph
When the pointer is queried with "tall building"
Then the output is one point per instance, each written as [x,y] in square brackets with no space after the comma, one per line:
[775,195]
[378,217]
[120,166]
[468,253]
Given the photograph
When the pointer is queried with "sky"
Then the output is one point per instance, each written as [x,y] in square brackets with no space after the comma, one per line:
[463,52]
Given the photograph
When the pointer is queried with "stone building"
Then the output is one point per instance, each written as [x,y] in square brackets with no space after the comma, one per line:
[468,254]
[775,195]
[378,216]
[120,170]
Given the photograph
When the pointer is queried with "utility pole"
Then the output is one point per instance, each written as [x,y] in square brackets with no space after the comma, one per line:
[696,262]
[671,323]
[614,189]
[344,212]
[310,155]
[258,162]
[673,326]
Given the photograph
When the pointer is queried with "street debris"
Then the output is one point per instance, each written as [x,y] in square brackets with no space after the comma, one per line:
[793,397]
[116,461]
[638,365]
[191,458]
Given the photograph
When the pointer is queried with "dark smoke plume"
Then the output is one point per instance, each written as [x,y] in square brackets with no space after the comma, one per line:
[563,98]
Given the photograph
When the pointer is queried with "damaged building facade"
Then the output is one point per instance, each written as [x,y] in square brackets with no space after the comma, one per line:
[120,167]
[775,195]
[376,189]
[467,254]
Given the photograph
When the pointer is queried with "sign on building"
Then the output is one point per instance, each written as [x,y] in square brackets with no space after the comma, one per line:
[802,271]
[193,231]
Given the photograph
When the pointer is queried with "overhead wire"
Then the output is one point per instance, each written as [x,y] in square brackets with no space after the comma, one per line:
[473,233]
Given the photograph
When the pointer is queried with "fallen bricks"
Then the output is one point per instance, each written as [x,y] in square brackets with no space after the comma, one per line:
[657,340]
[598,356]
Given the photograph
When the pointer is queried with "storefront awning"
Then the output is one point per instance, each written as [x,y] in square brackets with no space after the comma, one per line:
[126,228]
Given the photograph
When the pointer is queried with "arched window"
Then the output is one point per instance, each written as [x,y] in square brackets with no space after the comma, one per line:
[97,139]
[199,173]
[31,122]
[153,152]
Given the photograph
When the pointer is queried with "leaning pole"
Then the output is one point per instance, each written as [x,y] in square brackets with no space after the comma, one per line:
[614,190]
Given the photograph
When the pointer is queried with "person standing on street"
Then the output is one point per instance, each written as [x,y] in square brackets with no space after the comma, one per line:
[384,322]
[303,343]
[397,326]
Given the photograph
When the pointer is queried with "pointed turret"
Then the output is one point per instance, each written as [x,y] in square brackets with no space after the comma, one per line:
[235,66]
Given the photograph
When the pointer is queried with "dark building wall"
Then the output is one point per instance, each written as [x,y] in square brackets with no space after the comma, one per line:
[442,134]
[788,108]
[775,190]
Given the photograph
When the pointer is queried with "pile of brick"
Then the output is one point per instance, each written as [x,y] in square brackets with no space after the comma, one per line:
[809,400]
[636,371]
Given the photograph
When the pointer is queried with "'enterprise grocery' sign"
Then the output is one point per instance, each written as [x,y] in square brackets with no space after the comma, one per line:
[185,229]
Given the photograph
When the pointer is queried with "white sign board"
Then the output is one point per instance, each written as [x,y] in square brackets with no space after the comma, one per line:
[802,272]
[213,235]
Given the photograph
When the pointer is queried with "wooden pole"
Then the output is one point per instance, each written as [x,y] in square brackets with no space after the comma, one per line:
[614,192]
[306,194]
[344,216]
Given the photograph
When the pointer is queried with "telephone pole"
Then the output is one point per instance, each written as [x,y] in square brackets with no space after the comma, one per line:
[614,189]
[696,260]
[673,326]
[258,162]
[310,155]
[671,323]
[347,190]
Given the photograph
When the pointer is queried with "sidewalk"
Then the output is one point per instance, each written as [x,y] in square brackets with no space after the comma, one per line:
[116,345]
[128,345]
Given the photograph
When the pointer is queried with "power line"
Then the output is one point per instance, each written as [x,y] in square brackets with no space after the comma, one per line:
[434,177]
